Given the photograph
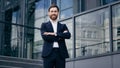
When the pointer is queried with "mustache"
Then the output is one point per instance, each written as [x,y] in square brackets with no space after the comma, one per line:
[53,15]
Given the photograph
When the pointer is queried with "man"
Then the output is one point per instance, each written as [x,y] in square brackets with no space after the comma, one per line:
[54,34]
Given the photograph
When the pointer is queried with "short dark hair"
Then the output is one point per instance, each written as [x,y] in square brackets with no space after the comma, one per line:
[53,5]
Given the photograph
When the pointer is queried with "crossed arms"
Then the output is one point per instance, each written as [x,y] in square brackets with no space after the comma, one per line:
[51,36]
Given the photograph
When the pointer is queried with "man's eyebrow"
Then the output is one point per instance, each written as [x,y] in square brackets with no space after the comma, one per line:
[53,11]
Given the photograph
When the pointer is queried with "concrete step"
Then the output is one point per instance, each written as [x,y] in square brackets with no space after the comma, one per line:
[12,62]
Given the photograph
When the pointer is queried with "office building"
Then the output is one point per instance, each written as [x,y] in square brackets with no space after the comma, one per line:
[94,27]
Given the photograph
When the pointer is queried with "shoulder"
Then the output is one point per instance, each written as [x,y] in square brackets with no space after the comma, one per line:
[45,23]
[62,24]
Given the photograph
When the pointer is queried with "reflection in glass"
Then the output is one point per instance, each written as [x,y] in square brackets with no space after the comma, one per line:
[41,8]
[69,42]
[66,13]
[65,4]
[66,9]
[41,12]
[26,42]
[14,40]
[92,33]
[38,42]
[108,1]
[116,27]
[41,16]
[38,22]
[1,37]
[15,34]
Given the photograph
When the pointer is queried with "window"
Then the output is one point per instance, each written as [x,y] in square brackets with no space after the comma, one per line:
[116,26]
[84,34]
[90,30]
[107,1]
[94,35]
[41,9]
[66,9]
[89,34]
[118,31]
[118,45]
[88,4]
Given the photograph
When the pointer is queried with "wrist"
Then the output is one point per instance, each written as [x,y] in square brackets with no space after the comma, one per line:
[55,34]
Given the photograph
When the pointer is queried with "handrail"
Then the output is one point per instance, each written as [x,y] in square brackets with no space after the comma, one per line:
[4,22]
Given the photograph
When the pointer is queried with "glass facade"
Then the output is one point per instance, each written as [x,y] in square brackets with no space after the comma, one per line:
[107,1]
[90,31]
[41,16]
[66,9]
[15,34]
[116,27]
[88,4]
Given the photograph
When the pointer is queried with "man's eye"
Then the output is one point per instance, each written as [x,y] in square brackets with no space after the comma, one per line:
[53,11]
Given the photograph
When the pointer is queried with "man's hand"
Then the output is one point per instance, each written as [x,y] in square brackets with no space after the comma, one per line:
[49,33]
[65,31]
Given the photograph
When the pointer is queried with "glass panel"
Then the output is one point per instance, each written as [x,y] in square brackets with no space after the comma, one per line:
[64,4]
[116,27]
[47,5]
[39,21]
[1,38]
[15,16]
[7,2]
[66,9]
[22,41]
[90,4]
[26,42]
[15,35]
[41,8]
[108,1]
[41,12]
[16,40]
[66,13]
[69,42]
[38,42]
[92,33]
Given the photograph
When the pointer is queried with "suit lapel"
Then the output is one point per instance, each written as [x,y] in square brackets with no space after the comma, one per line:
[58,27]
[50,26]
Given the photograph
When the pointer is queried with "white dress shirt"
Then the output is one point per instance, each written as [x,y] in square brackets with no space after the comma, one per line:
[54,25]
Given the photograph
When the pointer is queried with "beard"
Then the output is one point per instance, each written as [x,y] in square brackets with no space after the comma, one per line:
[53,17]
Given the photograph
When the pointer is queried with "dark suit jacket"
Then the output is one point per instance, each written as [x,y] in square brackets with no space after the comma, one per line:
[60,38]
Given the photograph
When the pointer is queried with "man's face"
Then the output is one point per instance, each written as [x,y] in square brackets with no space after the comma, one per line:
[53,13]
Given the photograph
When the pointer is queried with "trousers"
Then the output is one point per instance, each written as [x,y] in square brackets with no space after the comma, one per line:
[54,60]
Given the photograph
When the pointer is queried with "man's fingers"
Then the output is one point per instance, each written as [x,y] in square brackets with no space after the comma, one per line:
[65,31]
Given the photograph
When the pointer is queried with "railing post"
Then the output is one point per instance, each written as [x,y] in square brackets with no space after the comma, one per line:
[110,28]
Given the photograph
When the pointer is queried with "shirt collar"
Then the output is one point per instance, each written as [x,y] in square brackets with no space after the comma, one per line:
[54,22]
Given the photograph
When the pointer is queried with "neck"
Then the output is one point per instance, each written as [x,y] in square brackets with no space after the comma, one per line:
[53,20]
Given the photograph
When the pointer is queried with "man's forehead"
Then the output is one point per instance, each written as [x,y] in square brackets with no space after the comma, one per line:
[53,8]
